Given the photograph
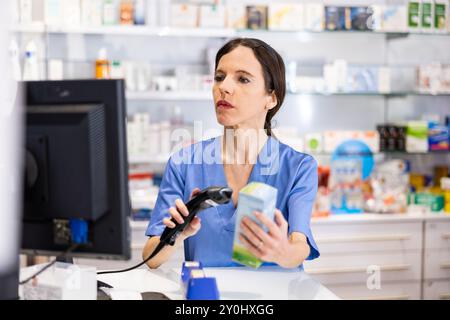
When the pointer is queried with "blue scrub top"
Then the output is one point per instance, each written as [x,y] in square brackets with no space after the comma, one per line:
[199,165]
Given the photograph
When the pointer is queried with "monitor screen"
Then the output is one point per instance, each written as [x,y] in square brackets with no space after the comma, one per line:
[76,168]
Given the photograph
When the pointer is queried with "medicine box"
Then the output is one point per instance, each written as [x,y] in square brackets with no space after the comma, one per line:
[255,196]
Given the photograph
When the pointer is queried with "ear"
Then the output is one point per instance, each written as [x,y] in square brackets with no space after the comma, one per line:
[271,101]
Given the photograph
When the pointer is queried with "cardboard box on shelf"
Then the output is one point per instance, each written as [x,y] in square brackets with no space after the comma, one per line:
[212,16]
[332,139]
[362,79]
[428,78]
[314,18]
[91,12]
[414,14]
[337,18]
[438,137]
[427,16]
[314,142]
[417,136]
[236,16]
[361,18]
[394,18]
[286,17]
[441,15]
[184,15]
[257,17]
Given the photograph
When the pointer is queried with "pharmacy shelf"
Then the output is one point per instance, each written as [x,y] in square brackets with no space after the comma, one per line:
[36,27]
[203,32]
[377,94]
[142,159]
[170,95]
[207,96]
[144,31]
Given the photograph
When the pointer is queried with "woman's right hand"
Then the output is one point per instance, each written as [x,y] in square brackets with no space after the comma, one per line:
[193,227]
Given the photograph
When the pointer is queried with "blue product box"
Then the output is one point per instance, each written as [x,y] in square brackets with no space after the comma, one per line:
[361,79]
[360,18]
[337,18]
[438,137]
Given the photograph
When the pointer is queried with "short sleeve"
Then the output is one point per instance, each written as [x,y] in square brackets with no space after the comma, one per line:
[301,200]
[171,188]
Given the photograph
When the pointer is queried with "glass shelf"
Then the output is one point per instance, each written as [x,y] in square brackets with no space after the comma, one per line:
[207,95]
[433,153]
[203,32]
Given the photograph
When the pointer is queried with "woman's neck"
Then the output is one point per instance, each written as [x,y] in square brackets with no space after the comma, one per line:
[242,146]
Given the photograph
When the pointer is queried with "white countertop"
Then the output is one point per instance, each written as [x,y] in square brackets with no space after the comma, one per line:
[271,283]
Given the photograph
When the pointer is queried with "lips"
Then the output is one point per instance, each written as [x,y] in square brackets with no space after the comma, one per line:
[224,104]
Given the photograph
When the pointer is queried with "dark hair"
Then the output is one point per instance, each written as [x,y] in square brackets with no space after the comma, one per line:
[273,70]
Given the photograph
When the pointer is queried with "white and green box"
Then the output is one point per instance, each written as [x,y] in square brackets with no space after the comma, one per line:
[441,15]
[427,15]
[255,196]
[414,15]
[417,136]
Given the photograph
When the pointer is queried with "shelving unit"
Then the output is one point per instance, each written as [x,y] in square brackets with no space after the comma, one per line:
[203,32]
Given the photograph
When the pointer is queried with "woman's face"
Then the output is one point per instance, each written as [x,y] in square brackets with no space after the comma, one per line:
[239,91]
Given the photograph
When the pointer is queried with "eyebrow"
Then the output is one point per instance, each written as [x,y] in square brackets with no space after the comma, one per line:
[238,71]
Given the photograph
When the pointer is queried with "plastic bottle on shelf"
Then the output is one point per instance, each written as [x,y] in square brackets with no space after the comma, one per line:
[110,12]
[31,65]
[176,120]
[445,186]
[26,11]
[139,12]
[130,80]
[116,70]
[126,12]
[102,65]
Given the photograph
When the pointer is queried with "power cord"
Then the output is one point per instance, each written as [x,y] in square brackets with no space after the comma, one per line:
[158,248]
[63,255]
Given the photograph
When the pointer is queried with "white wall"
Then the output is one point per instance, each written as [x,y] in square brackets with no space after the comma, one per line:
[10,148]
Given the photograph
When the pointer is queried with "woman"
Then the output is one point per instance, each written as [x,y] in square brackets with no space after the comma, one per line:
[249,89]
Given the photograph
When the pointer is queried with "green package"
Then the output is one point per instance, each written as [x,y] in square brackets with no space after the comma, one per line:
[255,196]
[435,202]
[440,16]
[427,15]
[413,14]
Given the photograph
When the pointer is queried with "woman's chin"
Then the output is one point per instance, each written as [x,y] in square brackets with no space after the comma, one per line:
[225,121]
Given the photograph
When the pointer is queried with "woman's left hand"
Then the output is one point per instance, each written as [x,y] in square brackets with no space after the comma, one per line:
[273,246]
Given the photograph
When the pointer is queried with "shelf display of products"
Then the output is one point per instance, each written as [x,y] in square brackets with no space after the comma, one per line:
[390,188]
[410,16]
[149,139]
[433,78]
[152,77]
[415,136]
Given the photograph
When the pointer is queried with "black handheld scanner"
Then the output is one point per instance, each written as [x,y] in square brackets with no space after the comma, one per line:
[209,197]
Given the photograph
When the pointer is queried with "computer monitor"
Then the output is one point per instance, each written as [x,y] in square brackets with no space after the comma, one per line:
[76,168]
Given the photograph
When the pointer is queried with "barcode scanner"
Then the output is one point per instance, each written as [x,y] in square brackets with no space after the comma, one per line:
[207,198]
